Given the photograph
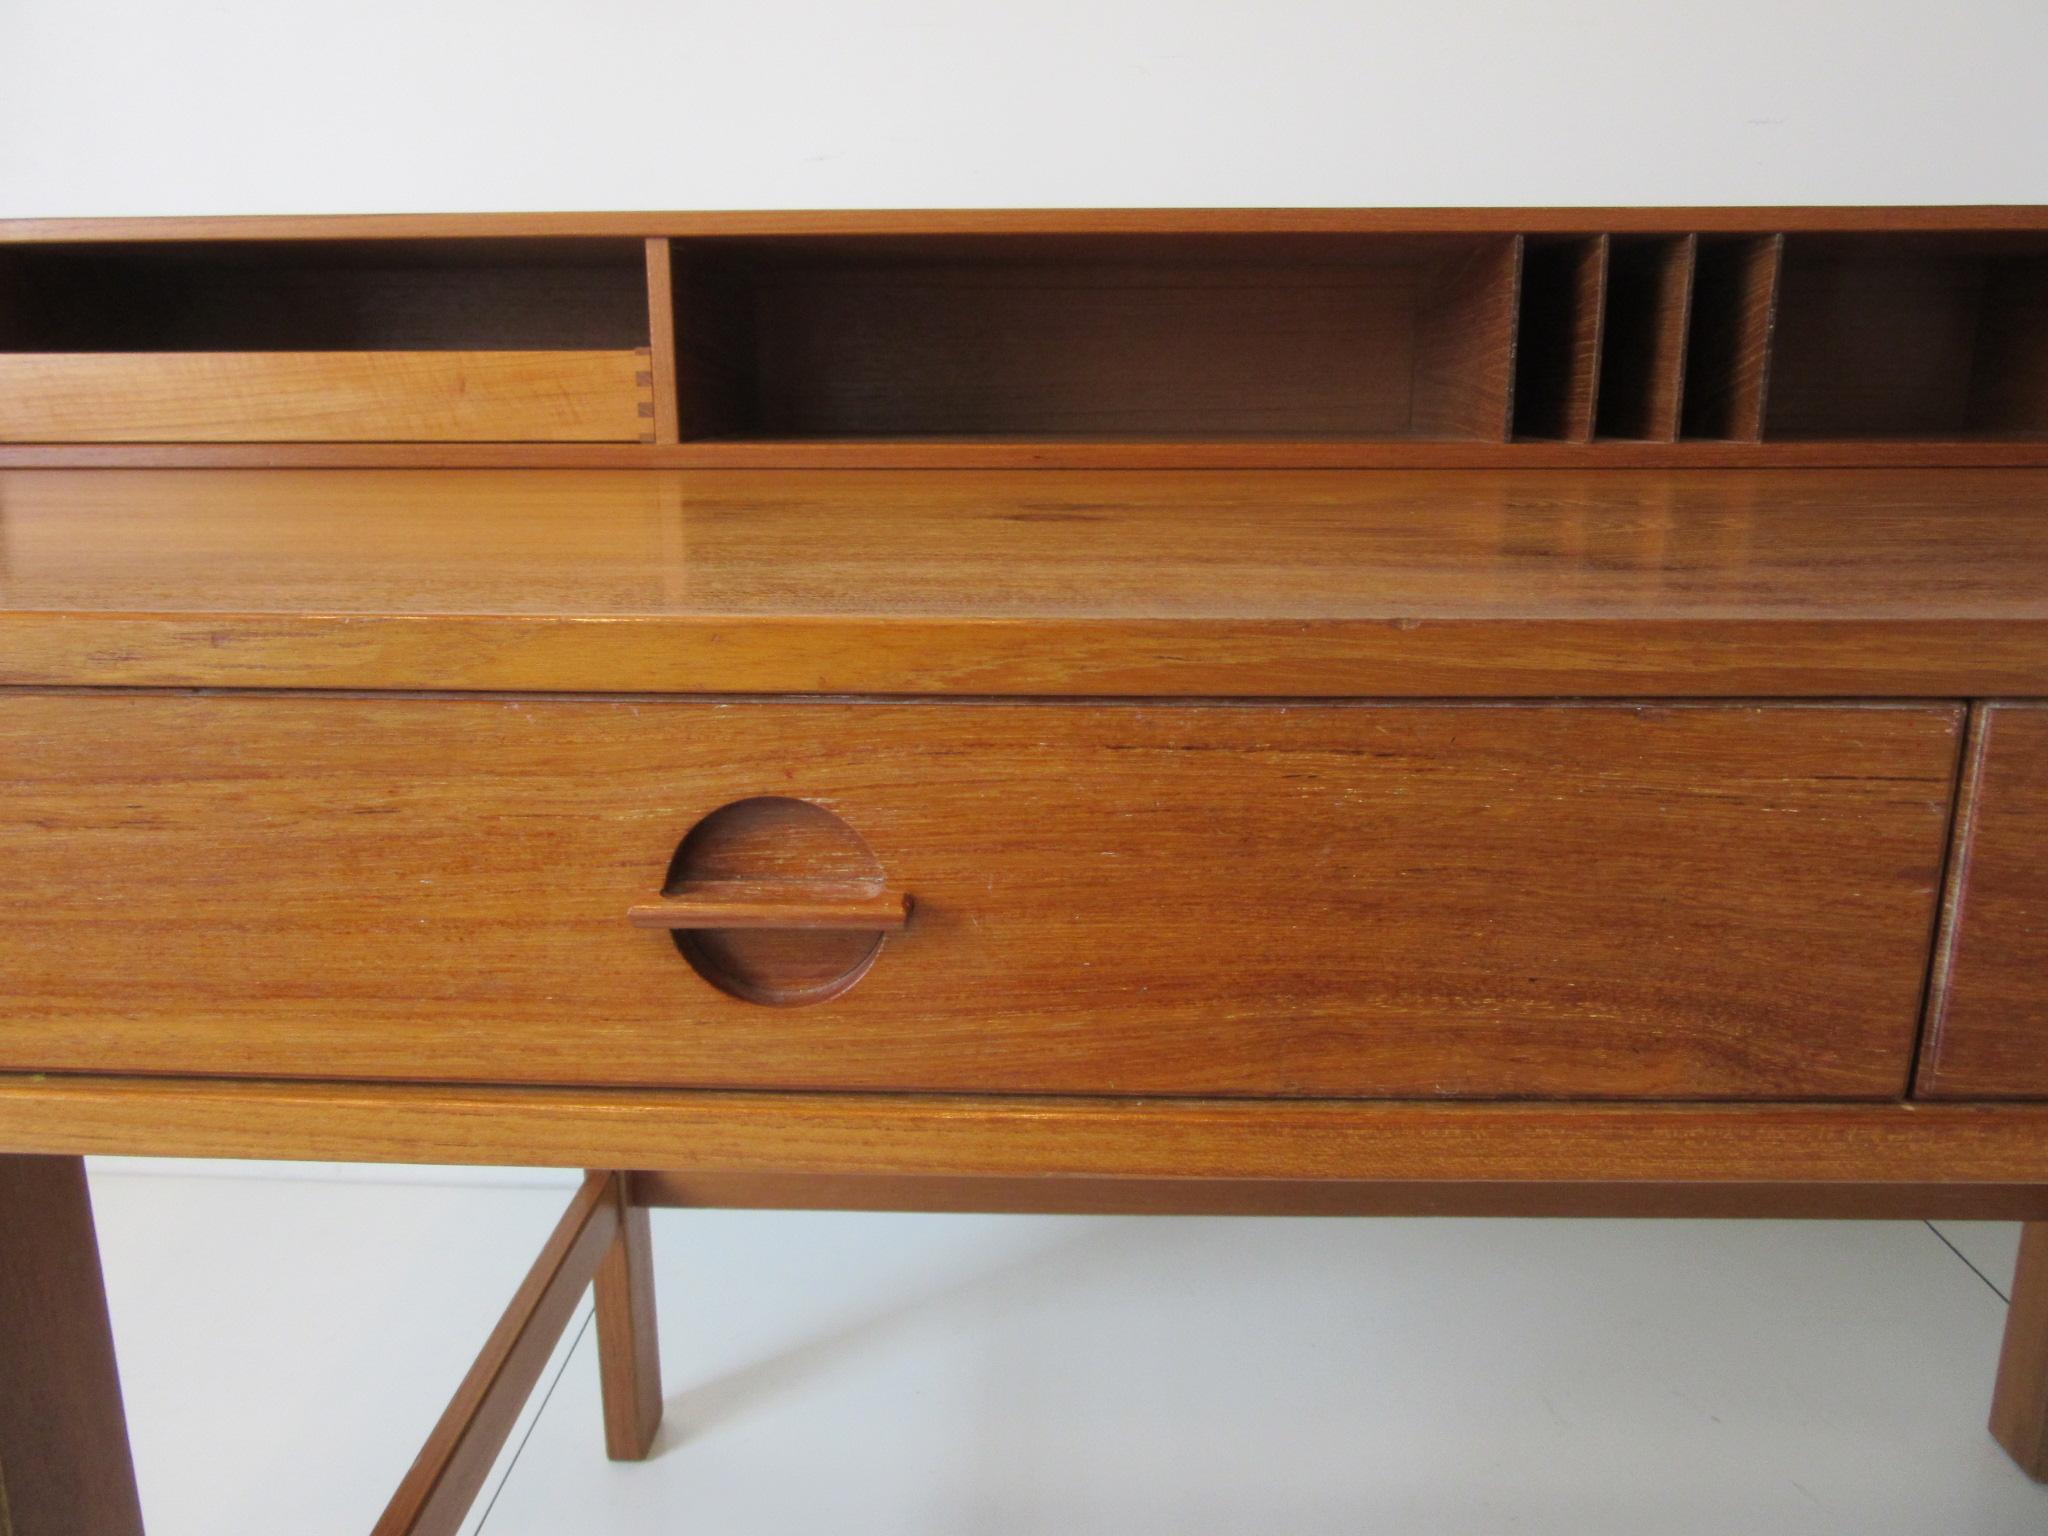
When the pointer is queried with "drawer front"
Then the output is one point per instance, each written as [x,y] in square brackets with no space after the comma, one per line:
[1584,900]
[1987,1034]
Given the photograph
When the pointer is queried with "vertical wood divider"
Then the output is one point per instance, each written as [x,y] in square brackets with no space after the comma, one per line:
[1589,325]
[1510,309]
[1760,322]
[1465,353]
[661,334]
[1674,330]
[1734,311]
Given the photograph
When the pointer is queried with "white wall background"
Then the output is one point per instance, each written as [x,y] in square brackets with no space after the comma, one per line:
[247,106]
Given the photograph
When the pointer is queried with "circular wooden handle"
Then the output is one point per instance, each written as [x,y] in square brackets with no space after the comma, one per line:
[776,900]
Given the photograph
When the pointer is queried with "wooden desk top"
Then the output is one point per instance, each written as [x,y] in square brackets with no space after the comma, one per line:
[1310,583]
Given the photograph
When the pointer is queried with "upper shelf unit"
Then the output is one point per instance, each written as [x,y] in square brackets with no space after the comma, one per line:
[1462,337]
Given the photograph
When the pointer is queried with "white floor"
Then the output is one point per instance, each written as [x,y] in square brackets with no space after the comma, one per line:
[286,1342]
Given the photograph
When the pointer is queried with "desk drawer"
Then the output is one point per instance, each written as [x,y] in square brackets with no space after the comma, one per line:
[1569,900]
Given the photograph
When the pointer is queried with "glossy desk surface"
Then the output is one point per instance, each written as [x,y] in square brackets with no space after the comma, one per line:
[1792,582]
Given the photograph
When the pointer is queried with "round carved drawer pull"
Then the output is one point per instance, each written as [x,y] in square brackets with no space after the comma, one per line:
[776,900]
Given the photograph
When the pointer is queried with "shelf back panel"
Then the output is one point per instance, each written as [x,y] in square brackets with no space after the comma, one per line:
[1413,342]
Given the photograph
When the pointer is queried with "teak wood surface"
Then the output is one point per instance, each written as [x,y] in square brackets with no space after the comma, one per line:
[65,1468]
[1728,364]
[1580,900]
[1017,344]
[1203,583]
[2019,1403]
[1007,453]
[1110,1195]
[376,397]
[628,1340]
[1957,1146]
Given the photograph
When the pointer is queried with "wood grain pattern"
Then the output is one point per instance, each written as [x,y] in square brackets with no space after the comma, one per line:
[435,1495]
[52,397]
[1906,336]
[1734,315]
[1112,1196]
[1409,338]
[1031,1137]
[2019,1403]
[1873,342]
[628,1344]
[1881,583]
[1081,658]
[1464,370]
[761,904]
[1987,1033]
[65,1469]
[1953,451]
[1571,901]
[661,328]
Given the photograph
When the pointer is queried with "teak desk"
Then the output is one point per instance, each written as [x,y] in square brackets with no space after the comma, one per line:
[1512,711]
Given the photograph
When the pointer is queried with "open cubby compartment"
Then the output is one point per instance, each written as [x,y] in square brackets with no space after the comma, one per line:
[1172,337]
[1911,337]
[396,340]
[1557,345]
[1728,342]
[1643,340]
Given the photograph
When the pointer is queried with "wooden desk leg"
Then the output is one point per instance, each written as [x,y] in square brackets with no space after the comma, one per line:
[628,1351]
[2019,1405]
[64,1463]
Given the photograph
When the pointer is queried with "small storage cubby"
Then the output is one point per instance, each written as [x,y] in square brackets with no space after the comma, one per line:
[1191,337]
[1649,308]
[470,340]
[1557,351]
[1911,336]
[1728,349]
